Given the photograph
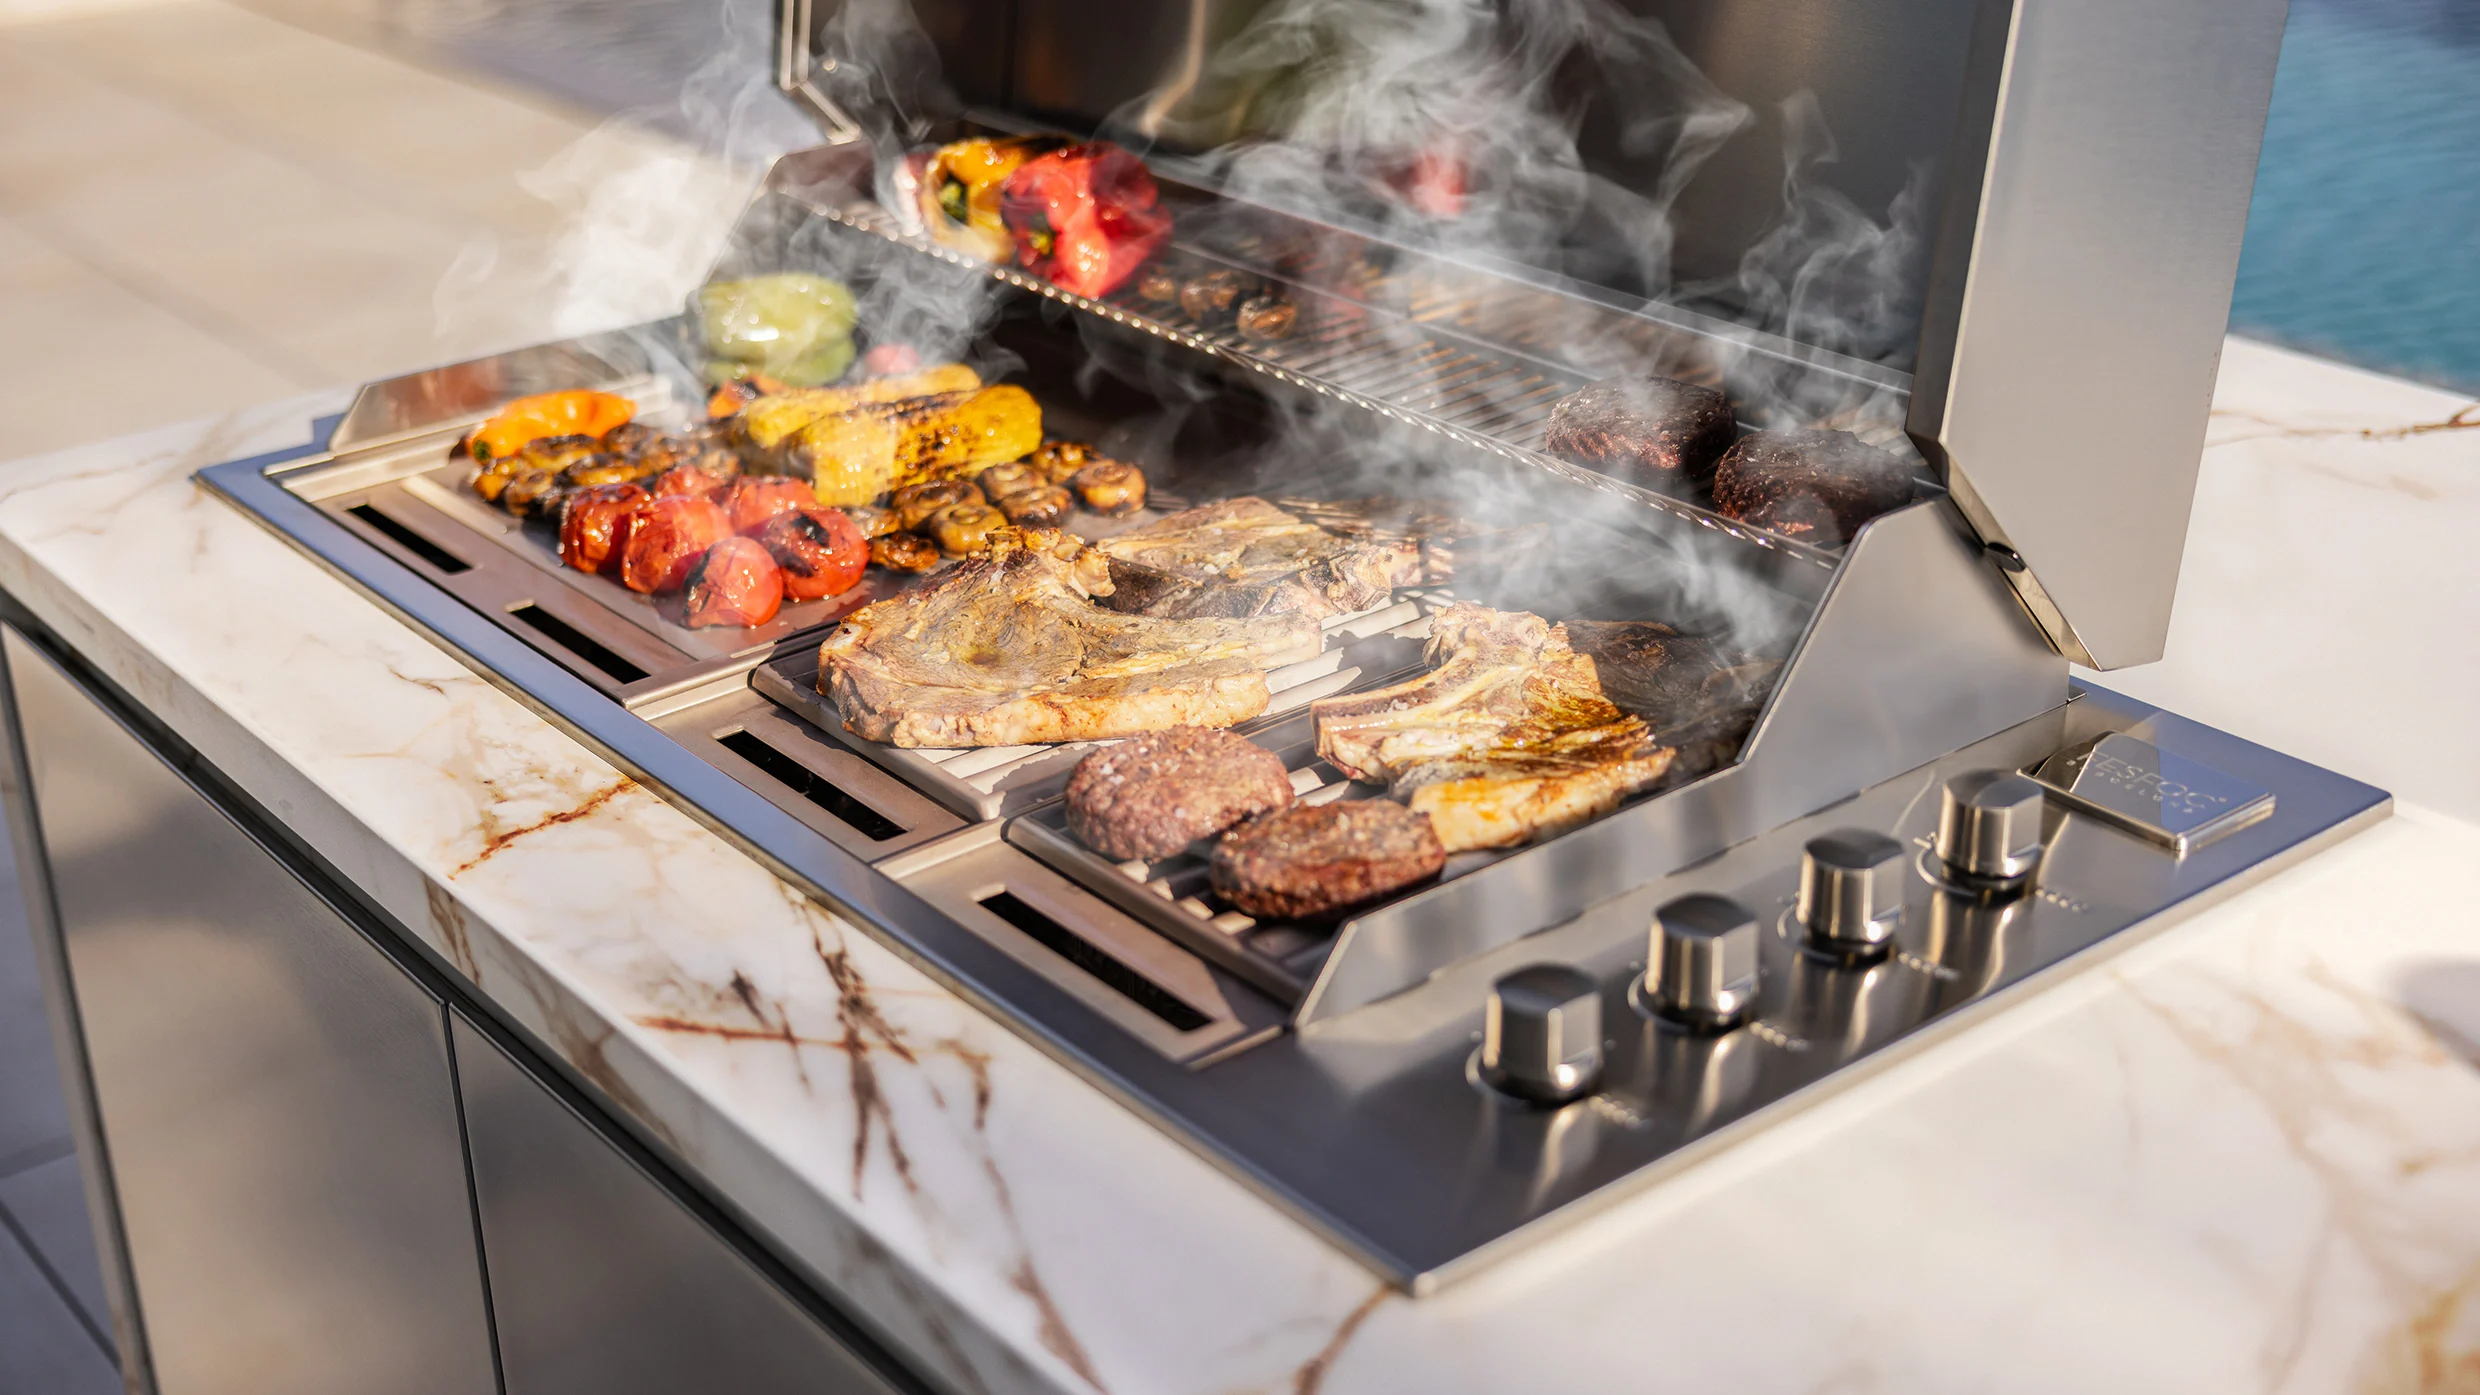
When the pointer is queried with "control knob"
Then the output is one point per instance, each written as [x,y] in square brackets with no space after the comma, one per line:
[1989,828]
[1701,969]
[1851,890]
[1541,1036]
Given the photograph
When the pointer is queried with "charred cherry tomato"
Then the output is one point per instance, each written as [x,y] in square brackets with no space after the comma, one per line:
[753,499]
[735,583]
[530,419]
[820,551]
[596,527]
[665,537]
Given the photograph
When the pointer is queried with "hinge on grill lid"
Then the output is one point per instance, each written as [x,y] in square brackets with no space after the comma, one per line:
[797,64]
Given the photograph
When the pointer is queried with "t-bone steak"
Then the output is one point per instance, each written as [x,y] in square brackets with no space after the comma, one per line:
[1009,649]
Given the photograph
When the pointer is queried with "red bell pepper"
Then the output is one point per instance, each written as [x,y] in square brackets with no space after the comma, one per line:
[1084,217]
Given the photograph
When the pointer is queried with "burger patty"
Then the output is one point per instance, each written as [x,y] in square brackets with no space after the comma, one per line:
[1309,861]
[1152,795]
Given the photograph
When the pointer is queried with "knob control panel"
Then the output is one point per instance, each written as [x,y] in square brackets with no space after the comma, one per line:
[1701,967]
[1541,1035]
[1989,828]
[1851,890]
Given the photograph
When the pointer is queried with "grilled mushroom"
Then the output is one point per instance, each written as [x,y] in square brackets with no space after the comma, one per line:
[999,481]
[1061,459]
[914,503]
[1211,298]
[874,522]
[1268,317]
[1110,487]
[1159,284]
[904,552]
[964,528]
[1046,506]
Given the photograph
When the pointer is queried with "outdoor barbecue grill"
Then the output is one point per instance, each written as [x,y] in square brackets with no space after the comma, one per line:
[2092,162]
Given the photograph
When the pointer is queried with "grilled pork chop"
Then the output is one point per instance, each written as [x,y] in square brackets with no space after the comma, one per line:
[1508,737]
[1010,649]
[1246,557]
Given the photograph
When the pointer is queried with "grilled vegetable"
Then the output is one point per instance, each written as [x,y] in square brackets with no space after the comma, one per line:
[665,537]
[694,481]
[790,326]
[1085,217]
[768,423]
[904,552]
[1213,297]
[530,492]
[820,551]
[1110,488]
[629,439]
[962,529]
[890,361]
[1267,317]
[1159,284]
[999,481]
[753,499]
[735,582]
[1060,459]
[595,527]
[605,469]
[1044,506]
[530,419]
[854,457]
[957,194]
[914,503]
[738,391]
[872,521]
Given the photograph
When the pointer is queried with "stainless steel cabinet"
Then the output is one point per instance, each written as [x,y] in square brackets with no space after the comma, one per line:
[601,1281]
[273,1092]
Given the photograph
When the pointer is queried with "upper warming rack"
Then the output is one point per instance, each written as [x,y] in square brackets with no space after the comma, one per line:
[1422,365]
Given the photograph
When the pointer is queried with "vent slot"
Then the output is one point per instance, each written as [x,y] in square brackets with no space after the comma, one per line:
[1077,950]
[810,785]
[575,641]
[439,557]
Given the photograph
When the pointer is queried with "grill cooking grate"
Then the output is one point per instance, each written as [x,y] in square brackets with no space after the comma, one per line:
[1419,371]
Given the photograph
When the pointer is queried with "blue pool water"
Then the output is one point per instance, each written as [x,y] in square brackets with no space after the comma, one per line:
[2364,239]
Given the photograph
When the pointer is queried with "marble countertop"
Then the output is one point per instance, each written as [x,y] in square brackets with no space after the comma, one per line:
[2243,1156]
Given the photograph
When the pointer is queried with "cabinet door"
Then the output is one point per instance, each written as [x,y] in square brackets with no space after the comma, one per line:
[275,1096]
[601,1281]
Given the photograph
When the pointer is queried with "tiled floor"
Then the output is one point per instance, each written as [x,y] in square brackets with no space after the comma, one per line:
[201,208]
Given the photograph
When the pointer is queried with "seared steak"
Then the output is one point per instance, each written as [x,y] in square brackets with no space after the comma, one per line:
[1008,648]
[1818,486]
[1312,861]
[1508,737]
[1648,430]
[1152,795]
[1246,557]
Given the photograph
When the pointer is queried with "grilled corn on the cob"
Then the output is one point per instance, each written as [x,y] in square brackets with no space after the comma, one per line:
[856,456]
[766,424]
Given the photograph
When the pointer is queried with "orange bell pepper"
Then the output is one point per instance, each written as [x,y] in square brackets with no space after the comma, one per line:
[530,419]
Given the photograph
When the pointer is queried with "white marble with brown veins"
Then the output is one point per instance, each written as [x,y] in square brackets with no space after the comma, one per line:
[2244,1156]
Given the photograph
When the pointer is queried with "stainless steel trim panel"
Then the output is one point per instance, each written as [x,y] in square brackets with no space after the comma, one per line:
[259,1069]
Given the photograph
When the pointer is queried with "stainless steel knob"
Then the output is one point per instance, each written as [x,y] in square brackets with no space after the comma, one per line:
[1851,889]
[1702,966]
[1541,1038]
[1989,827]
